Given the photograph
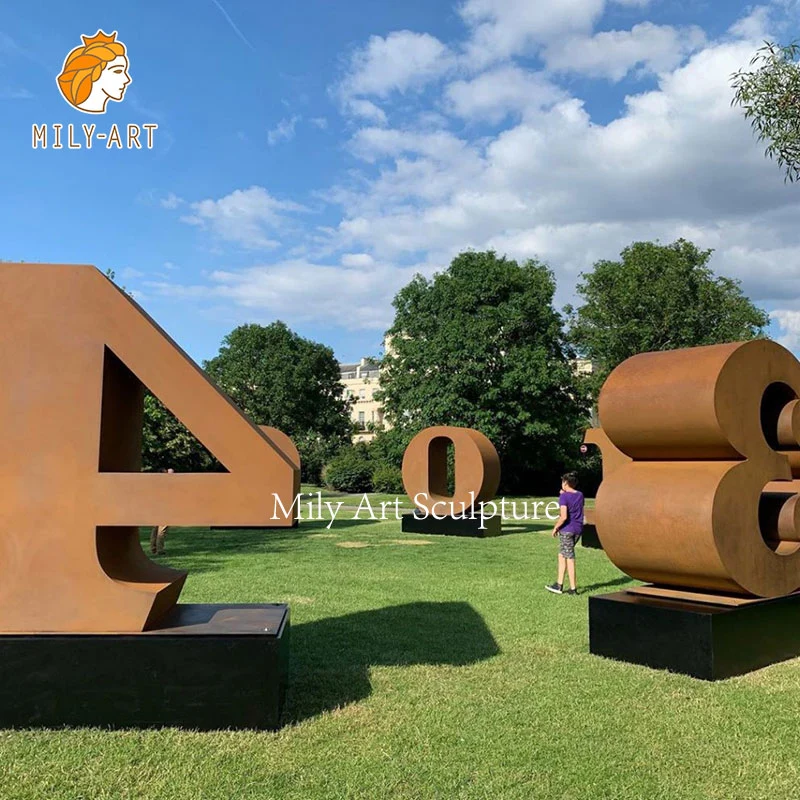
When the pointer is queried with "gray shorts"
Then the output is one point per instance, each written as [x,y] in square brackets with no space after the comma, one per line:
[567,542]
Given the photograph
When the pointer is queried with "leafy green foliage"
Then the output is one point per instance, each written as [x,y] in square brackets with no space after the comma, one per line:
[388,479]
[281,379]
[589,469]
[315,451]
[657,297]
[389,446]
[480,345]
[769,93]
[350,470]
[168,444]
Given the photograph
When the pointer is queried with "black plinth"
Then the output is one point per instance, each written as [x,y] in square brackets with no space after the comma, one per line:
[698,639]
[205,667]
[451,526]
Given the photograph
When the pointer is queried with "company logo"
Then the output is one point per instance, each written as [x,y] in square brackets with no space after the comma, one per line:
[95,73]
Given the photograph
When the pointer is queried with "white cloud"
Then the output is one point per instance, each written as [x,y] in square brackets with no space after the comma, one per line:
[504,28]
[754,26]
[494,94]
[171,201]
[361,260]
[367,110]
[612,54]
[401,61]
[319,122]
[246,217]
[676,161]
[300,292]
[373,143]
[679,161]
[283,131]
[789,325]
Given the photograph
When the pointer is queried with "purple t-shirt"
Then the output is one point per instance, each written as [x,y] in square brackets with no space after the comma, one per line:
[574,503]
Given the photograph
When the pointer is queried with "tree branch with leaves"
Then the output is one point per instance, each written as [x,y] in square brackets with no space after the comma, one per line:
[769,93]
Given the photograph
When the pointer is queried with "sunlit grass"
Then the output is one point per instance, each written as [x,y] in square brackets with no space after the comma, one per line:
[438,670]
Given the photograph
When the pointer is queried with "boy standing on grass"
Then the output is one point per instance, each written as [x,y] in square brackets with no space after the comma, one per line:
[568,528]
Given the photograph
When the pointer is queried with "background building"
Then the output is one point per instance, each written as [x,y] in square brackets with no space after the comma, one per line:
[361,381]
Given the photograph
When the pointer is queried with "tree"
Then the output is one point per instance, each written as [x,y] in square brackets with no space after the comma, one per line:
[281,379]
[769,93]
[167,443]
[480,345]
[657,297]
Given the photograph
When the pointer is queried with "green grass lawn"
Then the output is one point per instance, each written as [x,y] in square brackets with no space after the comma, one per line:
[429,667]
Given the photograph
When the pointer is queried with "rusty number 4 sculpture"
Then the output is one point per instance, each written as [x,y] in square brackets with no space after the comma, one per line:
[706,511]
[77,353]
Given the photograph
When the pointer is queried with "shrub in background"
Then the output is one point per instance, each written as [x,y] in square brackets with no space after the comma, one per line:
[389,446]
[350,470]
[388,479]
[315,451]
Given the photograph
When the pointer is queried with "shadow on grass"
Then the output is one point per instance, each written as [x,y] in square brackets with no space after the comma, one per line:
[621,581]
[526,527]
[456,528]
[331,658]
[207,549]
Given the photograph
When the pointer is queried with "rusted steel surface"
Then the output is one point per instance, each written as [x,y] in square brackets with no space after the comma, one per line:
[708,429]
[77,353]
[284,443]
[612,458]
[477,469]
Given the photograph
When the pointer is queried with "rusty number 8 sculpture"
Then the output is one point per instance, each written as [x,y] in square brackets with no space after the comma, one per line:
[709,500]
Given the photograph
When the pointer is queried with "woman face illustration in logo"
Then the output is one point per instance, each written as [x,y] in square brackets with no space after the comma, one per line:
[95,73]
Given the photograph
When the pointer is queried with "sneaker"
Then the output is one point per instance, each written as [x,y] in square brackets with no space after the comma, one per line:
[571,591]
[555,588]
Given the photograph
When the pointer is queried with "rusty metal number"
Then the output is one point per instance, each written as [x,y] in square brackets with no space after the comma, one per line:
[709,500]
[76,354]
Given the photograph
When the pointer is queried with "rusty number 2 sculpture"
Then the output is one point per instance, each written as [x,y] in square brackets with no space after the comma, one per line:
[77,353]
[709,501]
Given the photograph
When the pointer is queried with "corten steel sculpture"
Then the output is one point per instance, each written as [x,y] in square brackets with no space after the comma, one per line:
[284,443]
[709,499]
[612,459]
[477,476]
[77,353]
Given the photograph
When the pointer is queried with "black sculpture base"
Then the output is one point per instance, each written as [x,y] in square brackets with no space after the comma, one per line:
[205,667]
[589,537]
[705,641]
[452,526]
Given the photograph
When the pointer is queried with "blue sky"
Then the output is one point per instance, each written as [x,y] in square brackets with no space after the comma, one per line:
[311,156]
